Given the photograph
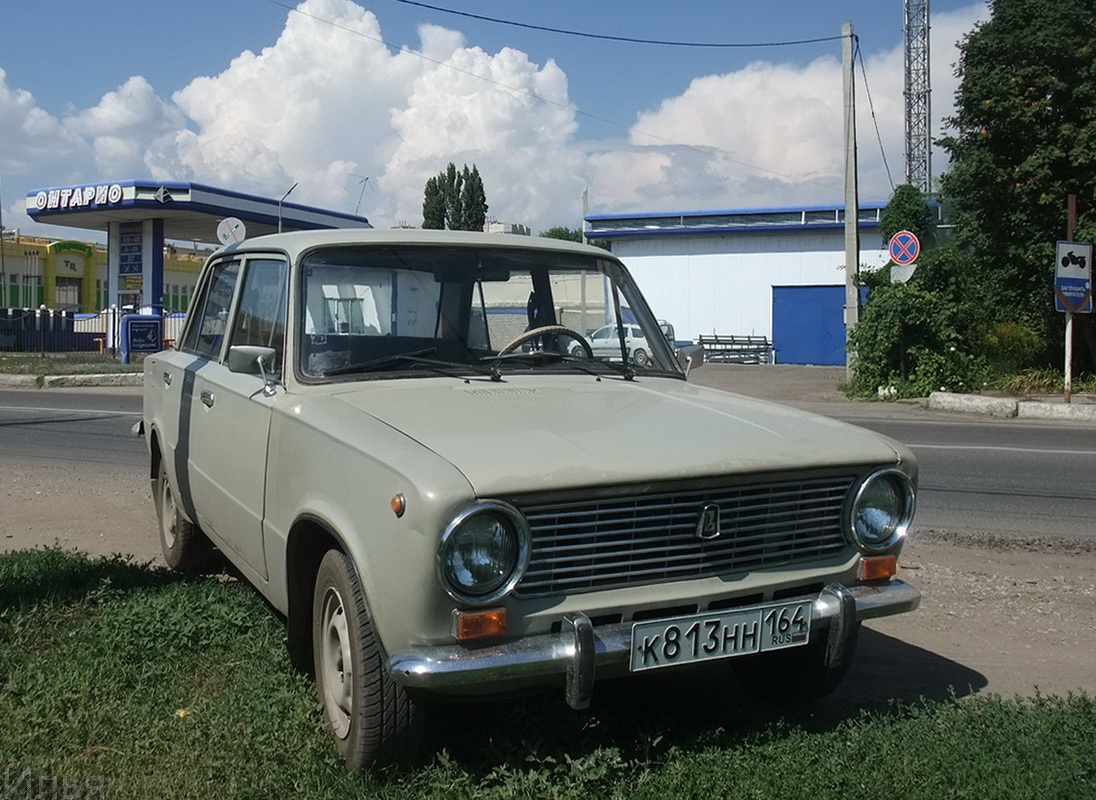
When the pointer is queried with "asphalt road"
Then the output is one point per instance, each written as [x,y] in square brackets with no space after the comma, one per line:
[1009,477]
[1013,477]
[70,426]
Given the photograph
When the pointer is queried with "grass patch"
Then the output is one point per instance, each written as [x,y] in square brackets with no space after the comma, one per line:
[1043,381]
[153,684]
[65,364]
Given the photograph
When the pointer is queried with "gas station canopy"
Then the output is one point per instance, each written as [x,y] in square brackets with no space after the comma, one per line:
[190,212]
[140,216]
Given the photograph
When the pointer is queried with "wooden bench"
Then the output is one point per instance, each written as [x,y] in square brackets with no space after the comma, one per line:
[736,349]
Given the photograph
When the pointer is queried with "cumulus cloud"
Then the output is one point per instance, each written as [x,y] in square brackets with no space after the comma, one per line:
[121,125]
[330,103]
[773,133]
[30,137]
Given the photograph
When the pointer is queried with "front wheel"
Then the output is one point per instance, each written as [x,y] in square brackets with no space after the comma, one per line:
[374,720]
[184,546]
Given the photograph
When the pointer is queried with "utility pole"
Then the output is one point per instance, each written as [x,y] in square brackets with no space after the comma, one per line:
[3,263]
[852,200]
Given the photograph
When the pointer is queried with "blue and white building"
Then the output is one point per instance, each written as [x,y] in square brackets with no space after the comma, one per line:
[775,272]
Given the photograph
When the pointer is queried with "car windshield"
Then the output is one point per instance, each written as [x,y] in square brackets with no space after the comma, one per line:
[371,311]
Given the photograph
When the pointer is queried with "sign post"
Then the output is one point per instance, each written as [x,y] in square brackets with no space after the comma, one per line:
[1072,293]
[141,333]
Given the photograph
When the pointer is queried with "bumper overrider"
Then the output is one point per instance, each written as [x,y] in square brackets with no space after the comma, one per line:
[579,648]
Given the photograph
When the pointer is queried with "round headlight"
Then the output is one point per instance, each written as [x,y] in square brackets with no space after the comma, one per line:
[882,509]
[483,553]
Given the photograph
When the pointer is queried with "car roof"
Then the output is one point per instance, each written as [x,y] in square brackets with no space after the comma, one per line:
[298,242]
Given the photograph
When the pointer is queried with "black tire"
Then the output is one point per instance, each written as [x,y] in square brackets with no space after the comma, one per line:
[796,676]
[375,722]
[640,357]
[184,545]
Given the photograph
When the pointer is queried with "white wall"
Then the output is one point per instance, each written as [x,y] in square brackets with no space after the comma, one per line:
[723,283]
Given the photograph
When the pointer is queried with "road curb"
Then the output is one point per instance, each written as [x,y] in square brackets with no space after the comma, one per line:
[1071,411]
[973,403]
[116,379]
[64,381]
[1011,407]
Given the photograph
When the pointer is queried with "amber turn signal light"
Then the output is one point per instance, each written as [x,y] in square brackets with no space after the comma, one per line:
[398,504]
[479,624]
[877,568]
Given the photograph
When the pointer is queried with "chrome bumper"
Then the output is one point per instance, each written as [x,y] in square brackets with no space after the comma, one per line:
[578,649]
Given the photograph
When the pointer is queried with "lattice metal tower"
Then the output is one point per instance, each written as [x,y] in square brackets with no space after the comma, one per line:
[918,132]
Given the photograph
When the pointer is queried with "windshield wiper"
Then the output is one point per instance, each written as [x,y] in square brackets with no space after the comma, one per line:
[535,356]
[374,364]
[538,357]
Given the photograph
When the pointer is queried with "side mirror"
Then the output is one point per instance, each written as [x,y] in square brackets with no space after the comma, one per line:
[690,357]
[250,359]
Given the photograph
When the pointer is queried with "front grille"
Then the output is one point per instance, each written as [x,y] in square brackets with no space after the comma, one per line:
[640,539]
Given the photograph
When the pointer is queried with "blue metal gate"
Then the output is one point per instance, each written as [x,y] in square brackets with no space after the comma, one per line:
[809,325]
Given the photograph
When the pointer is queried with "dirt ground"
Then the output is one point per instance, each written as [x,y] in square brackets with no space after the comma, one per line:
[1013,620]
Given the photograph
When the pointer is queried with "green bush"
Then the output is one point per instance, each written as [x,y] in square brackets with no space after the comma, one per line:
[911,342]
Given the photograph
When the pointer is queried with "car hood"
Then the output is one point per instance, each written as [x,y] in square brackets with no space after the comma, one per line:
[545,433]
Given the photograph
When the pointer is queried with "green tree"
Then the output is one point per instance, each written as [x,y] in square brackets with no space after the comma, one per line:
[455,200]
[1023,139]
[433,206]
[564,233]
[908,211]
[473,200]
[573,235]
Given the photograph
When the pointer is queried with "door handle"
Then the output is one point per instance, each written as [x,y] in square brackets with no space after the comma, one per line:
[167,379]
[207,398]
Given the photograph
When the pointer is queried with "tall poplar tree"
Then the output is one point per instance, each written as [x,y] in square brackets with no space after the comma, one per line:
[455,200]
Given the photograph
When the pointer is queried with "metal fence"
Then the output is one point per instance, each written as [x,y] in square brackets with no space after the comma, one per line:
[41,330]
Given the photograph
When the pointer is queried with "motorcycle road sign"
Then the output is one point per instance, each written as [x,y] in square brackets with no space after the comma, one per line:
[1073,277]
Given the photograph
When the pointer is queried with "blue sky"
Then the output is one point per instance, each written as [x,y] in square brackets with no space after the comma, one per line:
[253,96]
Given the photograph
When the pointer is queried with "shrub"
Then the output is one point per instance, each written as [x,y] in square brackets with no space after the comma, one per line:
[911,339]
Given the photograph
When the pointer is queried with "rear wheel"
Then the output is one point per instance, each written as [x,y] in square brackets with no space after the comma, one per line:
[184,545]
[640,357]
[374,720]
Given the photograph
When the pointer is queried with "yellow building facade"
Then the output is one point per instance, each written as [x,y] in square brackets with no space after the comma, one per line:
[69,275]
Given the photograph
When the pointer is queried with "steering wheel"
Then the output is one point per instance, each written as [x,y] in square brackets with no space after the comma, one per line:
[545,329]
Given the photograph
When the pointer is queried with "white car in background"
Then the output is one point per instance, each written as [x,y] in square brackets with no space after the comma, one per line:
[605,343]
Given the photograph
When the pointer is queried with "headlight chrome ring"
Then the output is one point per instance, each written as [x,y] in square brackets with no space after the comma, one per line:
[881,510]
[483,553]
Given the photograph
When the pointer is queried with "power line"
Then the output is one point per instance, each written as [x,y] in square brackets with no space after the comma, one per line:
[607,37]
[871,106]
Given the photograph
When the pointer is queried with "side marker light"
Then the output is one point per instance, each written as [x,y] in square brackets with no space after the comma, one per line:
[479,624]
[877,568]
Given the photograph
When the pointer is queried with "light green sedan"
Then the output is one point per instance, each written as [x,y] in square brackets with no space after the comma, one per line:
[390,435]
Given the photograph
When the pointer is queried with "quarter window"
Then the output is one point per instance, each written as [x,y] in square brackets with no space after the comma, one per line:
[260,318]
[207,327]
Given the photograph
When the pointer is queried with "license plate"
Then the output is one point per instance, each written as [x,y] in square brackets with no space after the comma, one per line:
[687,640]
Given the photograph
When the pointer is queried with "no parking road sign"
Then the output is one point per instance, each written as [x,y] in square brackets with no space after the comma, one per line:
[904,248]
[1073,277]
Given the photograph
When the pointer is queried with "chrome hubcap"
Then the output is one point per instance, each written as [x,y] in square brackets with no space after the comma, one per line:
[336,664]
